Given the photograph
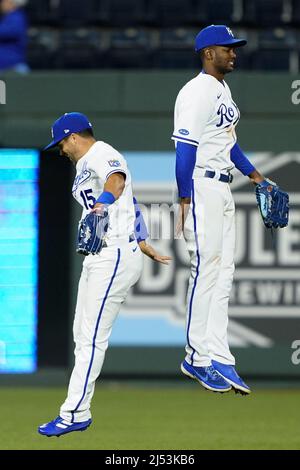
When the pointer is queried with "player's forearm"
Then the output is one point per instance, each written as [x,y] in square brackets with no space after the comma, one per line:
[148,250]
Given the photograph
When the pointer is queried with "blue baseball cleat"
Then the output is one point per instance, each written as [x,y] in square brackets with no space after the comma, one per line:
[229,373]
[207,376]
[60,426]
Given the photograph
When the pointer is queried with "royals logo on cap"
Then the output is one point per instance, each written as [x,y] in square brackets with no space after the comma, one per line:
[230,32]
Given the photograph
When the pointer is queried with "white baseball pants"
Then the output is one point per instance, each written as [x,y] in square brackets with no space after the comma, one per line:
[104,283]
[210,237]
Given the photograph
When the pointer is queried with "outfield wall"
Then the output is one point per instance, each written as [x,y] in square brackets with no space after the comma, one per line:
[133,112]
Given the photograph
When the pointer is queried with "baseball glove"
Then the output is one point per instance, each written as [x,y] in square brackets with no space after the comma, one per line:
[91,231]
[273,204]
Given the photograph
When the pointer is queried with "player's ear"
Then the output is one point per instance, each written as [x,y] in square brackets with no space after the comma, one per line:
[208,54]
[73,137]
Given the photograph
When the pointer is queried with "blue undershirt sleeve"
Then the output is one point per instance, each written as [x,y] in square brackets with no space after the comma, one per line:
[140,228]
[185,164]
[240,160]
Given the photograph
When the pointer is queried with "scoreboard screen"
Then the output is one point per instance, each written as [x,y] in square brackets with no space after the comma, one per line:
[19,230]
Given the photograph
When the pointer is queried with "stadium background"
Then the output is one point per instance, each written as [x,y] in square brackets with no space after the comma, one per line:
[122,63]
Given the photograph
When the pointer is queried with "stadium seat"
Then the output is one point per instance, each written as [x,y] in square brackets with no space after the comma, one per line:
[130,48]
[168,13]
[77,13]
[80,49]
[270,13]
[277,38]
[226,12]
[43,12]
[274,48]
[279,45]
[179,38]
[158,33]
[42,46]
[172,59]
[295,12]
[176,50]
[271,59]
[119,13]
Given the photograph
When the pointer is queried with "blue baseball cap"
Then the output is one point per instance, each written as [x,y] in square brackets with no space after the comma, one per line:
[66,125]
[217,35]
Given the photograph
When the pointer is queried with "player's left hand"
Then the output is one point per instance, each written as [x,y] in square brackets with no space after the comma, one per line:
[99,209]
[91,231]
[184,208]
[273,204]
[148,250]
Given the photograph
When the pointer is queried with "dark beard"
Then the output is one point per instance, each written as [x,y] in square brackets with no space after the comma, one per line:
[222,70]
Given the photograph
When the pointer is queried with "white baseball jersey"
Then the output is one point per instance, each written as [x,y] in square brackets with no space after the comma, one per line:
[205,116]
[92,171]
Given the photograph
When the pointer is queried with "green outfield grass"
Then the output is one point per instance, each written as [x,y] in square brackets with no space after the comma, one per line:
[141,417]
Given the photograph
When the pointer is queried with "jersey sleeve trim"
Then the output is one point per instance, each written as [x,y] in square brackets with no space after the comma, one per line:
[185,140]
[119,170]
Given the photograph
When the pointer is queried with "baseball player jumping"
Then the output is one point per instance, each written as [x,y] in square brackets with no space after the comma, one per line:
[205,118]
[103,188]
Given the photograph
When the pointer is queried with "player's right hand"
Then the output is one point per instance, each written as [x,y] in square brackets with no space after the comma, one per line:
[148,250]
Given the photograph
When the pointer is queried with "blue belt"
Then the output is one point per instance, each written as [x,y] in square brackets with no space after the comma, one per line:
[224,178]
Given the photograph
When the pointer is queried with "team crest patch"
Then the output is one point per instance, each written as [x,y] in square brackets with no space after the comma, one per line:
[114,163]
[183,131]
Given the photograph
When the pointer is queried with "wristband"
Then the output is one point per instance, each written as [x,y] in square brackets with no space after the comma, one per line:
[106,198]
[266,182]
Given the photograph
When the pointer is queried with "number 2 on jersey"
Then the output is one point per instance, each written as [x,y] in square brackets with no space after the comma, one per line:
[86,197]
